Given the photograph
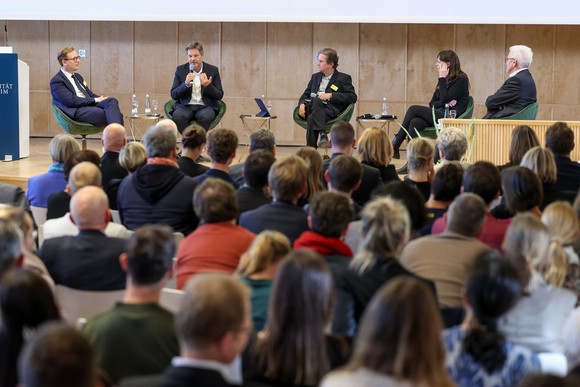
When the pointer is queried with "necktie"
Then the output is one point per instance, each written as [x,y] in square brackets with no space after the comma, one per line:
[79,85]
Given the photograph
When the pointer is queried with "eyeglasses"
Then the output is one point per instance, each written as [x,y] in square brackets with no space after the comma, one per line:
[506,59]
[76,58]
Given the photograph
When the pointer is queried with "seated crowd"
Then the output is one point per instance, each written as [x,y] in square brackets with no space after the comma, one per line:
[295,271]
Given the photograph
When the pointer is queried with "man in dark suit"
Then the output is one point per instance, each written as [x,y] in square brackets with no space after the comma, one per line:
[560,140]
[213,326]
[89,260]
[71,94]
[519,90]
[251,195]
[113,140]
[196,89]
[260,139]
[328,93]
[342,142]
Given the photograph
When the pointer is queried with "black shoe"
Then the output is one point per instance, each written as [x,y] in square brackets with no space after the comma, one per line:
[403,170]
[396,154]
[323,142]
[397,141]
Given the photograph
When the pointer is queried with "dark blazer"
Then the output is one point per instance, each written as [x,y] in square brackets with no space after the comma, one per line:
[340,85]
[190,167]
[58,205]
[65,97]
[236,173]
[209,94]
[516,93]
[370,180]
[179,377]
[87,261]
[110,167]
[250,198]
[568,174]
[281,216]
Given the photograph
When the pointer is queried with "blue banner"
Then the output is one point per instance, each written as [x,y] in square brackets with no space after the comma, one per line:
[9,127]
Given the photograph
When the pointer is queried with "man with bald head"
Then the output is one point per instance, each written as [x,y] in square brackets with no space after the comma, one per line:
[89,260]
[113,140]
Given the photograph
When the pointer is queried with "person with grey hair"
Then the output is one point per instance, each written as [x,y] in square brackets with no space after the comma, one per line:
[447,258]
[451,145]
[197,88]
[158,192]
[61,147]
[519,90]
[11,254]
[260,139]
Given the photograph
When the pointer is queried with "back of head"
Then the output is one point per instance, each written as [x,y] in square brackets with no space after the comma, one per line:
[262,139]
[89,207]
[560,139]
[409,196]
[522,189]
[79,157]
[523,139]
[313,161]
[330,213]
[287,178]
[466,215]
[483,179]
[385,227]
[24,222]
[150,254]
[168,122]
[344,173]
[492,289]
[342,135]
[193,137]
[541,162]
[84,174]
[447,182]
[221,144]
[10,245]
[268,248]
[62,146]
[256,168]
[214,201]
[114,137]
[523,55]
[375,148]
[561,221]
[400,334]
[132,156]
[453,143]
[58,356]
[419,151]
[159,141]
[213,305]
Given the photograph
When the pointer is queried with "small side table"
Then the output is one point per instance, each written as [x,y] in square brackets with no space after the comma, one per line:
[380,123]
[253,123]
[140,123]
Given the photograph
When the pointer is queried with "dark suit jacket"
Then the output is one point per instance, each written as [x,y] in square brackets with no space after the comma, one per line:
[88,261]
[58,205]
[250,198]
[209,94]
[516,93]
[370,180]
[236,173]
[110,167]
[281,216]
[179,377]
[568,174]
[340,85]
[65,97]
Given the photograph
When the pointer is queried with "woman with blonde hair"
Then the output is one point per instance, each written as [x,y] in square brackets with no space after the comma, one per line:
[132,156]
[536,320]
[376,150]
[399,343]
[421,167]
[563,226]
[258,267]
[314,178]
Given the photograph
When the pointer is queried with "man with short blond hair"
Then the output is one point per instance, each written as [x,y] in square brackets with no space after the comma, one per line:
[221,148]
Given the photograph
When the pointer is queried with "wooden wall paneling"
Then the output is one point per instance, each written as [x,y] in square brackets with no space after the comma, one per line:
[424,42]
[40,114]
[284,128]
[235,107]
[566,73]
[567,113]
[208,34]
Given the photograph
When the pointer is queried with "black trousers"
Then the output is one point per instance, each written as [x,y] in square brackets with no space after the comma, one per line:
[317,114]
[418,117]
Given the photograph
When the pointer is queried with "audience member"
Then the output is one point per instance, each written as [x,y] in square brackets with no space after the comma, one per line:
[11,255]
[258,267]
[571,331]
[61,147]
[376,150]
[451,145]
[137,336]
[113,140]
[446,187]
[522,192]
[314,181]
[287,180]
[158,193]
[399,343]
[342,142]
[447,258]
[344,175]
[476,352]
[26,301]
[89,260]
[254,192]
[523,139]
[261,139]
[213,325]
[132,156]
[537,319]
[12,195]
[420,162]
[560,140]
[293,348]
[221,148]
[193,141]
[218,243]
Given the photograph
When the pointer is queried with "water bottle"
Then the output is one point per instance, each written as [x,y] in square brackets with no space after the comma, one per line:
[134,106]
[385,110]
[446,115]
[147,105]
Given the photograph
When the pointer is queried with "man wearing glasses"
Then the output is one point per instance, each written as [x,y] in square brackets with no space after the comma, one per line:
[519,90]
[71,94]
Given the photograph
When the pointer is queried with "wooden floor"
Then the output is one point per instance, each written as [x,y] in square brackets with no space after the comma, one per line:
[18,172]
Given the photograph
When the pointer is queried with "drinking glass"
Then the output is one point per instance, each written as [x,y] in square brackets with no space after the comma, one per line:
[452,114]
[155,104]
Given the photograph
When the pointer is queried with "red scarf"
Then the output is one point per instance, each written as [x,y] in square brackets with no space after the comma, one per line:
[161,161]
[322,245]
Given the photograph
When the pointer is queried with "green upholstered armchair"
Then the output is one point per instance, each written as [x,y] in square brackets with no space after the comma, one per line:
[344,116]
[168,108]
[76,128]
[527,113]
[430,132]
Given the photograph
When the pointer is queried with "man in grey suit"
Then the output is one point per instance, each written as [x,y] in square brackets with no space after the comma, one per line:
[519,90]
